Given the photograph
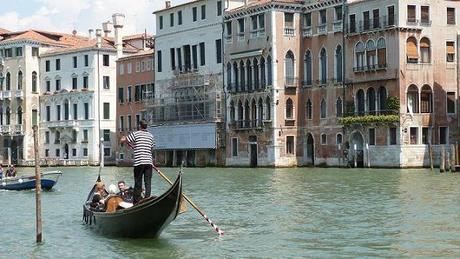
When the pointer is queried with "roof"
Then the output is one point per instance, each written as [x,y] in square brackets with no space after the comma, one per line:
[136,36]
[52,38]
[253,3]
[87,44]
[141,53]
[3,30]
[175,6]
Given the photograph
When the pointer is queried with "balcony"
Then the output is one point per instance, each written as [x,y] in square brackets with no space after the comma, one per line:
[289,32]
[6,129]
[307,32]
[377,117]
[19,94]
[256,124]
[369,25]
[337,26]
[425,22]
[412,21]
[322,29]
[63,124]
[291,82]
[6,94]
[19,129]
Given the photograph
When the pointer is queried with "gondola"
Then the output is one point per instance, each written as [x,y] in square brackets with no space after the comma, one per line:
[48,180]
[146,219]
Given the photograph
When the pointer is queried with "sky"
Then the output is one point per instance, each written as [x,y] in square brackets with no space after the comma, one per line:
[81,15]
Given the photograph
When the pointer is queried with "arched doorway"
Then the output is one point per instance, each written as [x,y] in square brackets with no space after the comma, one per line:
[358,141]
[310,149]
[66,151]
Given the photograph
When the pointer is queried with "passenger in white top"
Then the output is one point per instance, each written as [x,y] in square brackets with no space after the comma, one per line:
[142,142]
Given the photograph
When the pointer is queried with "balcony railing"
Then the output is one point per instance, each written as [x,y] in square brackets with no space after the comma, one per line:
[63,124]
[291,82]
[6,129]
[19,129]
[19,94]
[425,22]
[6,94]
[412,21]
[289,32]
[307,32]
[370,67]
[337,26]
[382,22]
[246,124]
[322,29]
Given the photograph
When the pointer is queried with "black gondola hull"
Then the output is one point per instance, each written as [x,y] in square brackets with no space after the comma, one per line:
[147,219]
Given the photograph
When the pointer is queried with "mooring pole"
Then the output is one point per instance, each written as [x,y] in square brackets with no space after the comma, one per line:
[38,187]
[431,156]
[356,155]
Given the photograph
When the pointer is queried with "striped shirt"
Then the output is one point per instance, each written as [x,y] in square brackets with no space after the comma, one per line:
[143,143]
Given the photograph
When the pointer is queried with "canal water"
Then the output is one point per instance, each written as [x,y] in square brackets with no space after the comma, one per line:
[265,213]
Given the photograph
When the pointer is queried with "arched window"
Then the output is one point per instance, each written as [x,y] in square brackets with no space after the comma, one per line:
[8,116]
[359,56]
[1,115]
[338,139]
[247,115]
[260,112]
[289,109]
[253,113]
[307,68]
[34,82]
[240,114]
[382,98]
[412,99]
[425,50]
[411,50]
[20,77]
[371,54]
[249,77]
[8,81]
[229,77]
[371,100]
[338,64]
[339,107]
[242,77]
[268,109]
[323,109]
[232,111]
[289,67]
[360,102]
[66,110]
[256,74]
[57,137]
[19,117]
[269,71]
[381,53]
[426,99]
[263,79]
[309,110]
[236,80]
[323,66]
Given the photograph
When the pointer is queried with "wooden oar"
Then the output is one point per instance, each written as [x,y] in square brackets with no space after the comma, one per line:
[216,228]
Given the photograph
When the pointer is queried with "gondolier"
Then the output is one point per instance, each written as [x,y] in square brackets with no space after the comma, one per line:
[142,142]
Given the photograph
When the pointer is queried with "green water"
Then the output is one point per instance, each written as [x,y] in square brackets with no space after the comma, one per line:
[265,213]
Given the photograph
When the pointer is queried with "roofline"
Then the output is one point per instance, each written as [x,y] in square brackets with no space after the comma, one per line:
[135,55]
[176,6]
[67,51]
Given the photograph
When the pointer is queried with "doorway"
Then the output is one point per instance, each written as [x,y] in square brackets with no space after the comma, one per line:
[310,149]
[66,151]
[358,141]
[253,150]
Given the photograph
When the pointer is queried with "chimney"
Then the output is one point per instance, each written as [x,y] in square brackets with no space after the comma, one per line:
[107,28]
[99,38]
[168,4]
[118,23]
[90,34]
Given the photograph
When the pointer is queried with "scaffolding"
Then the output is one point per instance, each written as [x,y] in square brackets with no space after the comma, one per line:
[189,97]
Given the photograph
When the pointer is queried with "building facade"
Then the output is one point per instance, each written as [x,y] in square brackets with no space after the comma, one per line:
[187,110]
[135,83]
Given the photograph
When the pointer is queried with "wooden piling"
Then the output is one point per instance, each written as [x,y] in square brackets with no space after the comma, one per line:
[38,187]
[442,165]
[431,156]
[355,156]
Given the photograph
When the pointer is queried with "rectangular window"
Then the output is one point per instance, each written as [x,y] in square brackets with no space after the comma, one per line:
[366,24]
[8,53]
[137,93]
[290,145]
[443,134]
[376,18]
[322,17]
[106,134]
[85,135]
[47,137]
[195,56]
[85,82]
[161,22]
[307,20]
[47,66]
[261,21]
[58,112]
[19,52]
[138,119]
[179,17]
[106,80]
[47,152]
[228,26]
[202,54]
[425,15]
[85,152]
[194,13]
[86,60]
[106,111]
[48,86]
[203,12]
[159,64]
[254,23]
[75,111]
[74,152]
[323,139]
[86,111]
[450,51]
[74,83]
[58,84]
[391,15]
[48,113]
[171,19]
[413,135]
[352,23]
[450,102]
[234,146]
[338,13]
[372,137]
[393,136]
[130,126]
[219,51]
[241,25]
[289,20]
[411,14]
[122,123]
[75,62]
[58,64]
[35,52]
[58,152]
[121,69]
[179,57]
[450,15]
[129,67]
[121,96]
[105,60]
[219,8]
[106,151]
[425,136]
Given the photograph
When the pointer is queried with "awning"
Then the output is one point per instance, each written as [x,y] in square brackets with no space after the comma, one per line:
[450,49]
[411,50]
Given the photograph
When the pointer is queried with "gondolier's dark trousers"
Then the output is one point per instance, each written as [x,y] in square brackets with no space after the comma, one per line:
[146,172]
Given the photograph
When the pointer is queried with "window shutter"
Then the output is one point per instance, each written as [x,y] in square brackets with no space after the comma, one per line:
[382,59]
[411,50]
[450,48]
[450,15]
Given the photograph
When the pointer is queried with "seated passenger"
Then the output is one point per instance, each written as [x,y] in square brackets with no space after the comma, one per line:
[98,201]
[125,193]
